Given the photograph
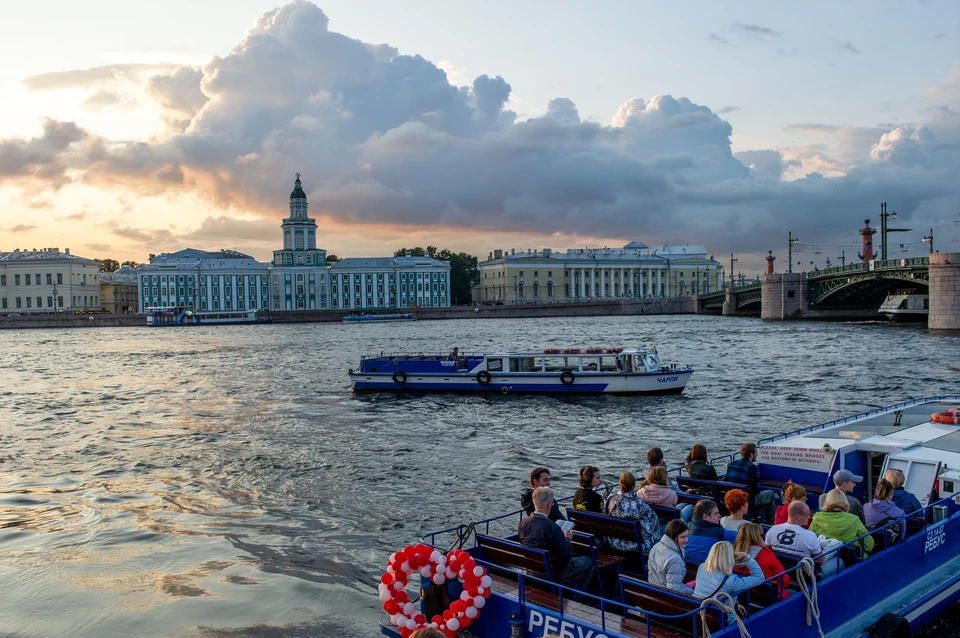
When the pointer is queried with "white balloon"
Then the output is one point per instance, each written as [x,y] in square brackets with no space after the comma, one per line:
[411,624]
[471,612]
[408,609]
[453,624]
[435,556]
[465,596]
[480,590]
[479,602]
[384,596]
[425,571]
[438,579]
[391,570]
[393,557]
[381,587]
[405,567]
[398,585]
[396,619]
[478,571]
[450,574]
[442,560]
[485,581]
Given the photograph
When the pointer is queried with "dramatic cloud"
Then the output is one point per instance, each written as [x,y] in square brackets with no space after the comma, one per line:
[20,228]
[385,139]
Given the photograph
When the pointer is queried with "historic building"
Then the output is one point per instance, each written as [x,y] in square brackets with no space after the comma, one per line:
[298,278]
[48,280]
[584,274]
[118,290]
[204,280]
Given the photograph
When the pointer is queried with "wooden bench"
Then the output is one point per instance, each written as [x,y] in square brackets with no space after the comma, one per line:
[665,602]
[511,555]
[720,488]
[584,544]
[602,526]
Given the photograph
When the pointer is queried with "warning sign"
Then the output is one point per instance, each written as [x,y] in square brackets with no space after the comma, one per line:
[803,458]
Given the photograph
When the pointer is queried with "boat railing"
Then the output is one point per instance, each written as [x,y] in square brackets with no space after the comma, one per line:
[857,417]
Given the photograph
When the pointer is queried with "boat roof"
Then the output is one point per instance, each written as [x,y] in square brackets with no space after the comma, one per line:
[904,429]
[581,352]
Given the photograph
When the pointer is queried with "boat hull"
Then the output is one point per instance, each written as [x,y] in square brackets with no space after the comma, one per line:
[672,382]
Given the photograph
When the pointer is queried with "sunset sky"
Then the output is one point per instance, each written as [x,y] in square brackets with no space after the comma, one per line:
[131,128]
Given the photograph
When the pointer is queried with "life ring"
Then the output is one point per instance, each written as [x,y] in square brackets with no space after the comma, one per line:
[439,568]
[571,351]
[483,377]
[567,377]
[552,351]
[399,377]
[950,417]
[476,309]
[613,350]
[593,350]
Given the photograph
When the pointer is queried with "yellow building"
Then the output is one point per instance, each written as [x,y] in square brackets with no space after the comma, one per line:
[46,281]
[119,290]
[589,274]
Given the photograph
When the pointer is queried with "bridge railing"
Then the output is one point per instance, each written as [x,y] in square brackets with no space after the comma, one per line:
[877,264]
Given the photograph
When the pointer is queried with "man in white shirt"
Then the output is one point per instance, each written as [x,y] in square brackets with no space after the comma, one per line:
[791,538]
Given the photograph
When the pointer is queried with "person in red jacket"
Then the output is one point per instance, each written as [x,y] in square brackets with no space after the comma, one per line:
[791,492]
[750,542]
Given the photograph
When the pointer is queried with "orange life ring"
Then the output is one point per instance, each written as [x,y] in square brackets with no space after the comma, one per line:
[950,417]
[571,351]
[552,351]
[613,350]
[593,350]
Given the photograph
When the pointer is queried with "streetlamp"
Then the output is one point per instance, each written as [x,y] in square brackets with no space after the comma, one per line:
[732,280]
[884,230]
[929,239]
[791,240]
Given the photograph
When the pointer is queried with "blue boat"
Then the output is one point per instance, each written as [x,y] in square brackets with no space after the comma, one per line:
[181,316]
[901,584]
[407,316]
[587,371]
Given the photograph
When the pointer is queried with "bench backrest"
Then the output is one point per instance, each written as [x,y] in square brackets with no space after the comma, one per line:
[512,555]
[659,600]
[665,514]
[601,525]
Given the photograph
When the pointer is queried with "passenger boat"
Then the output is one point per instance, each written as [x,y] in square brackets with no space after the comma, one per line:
[588,371]
[906,305]
[375,318]
[896,587]
[180,316]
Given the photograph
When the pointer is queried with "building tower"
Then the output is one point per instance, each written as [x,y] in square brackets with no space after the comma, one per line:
[770,259]
[867,233]
[299,266]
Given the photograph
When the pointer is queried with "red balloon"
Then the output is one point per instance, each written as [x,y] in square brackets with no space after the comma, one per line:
[449,633]
[401,597]
[423,561]
[464,622]
[391,607]
[457,606]
[447,615]
[386,579]
[404,632]
[420,619]
[437,619]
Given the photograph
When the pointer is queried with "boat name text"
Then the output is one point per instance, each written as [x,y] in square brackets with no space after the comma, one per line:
[936,537]
[667,379]
[448,364]
[563,628]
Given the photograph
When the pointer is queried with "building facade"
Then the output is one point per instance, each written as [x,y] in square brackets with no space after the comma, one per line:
[586,274]
[298,277]
[119,291]
[48,280]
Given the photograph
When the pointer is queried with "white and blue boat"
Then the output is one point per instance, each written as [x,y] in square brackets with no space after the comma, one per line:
[180,316]
[901,584]
[371,318]
[588,371]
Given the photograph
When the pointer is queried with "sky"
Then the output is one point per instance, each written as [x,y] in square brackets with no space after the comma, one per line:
[136,128]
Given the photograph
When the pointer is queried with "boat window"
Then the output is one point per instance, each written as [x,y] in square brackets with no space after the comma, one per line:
[591,364]
[495,365]
[523,364]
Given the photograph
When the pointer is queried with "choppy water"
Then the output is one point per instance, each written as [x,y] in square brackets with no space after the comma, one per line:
[223,481]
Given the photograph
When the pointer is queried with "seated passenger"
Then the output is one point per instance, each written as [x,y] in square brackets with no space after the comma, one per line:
[627,505]
[454,354]
[836,521]
[792,537]
[655,491]
[901,497]
[737,503]
[846,481]
[697,466]
[706,531]
[665,567]
[746,472]
[655,459]
[716,574]
[750,541]
[791,492]
[585,498]
[539,477]
[539,532]
[882,510]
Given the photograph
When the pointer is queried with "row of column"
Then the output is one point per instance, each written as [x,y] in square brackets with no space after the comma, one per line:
[627,276]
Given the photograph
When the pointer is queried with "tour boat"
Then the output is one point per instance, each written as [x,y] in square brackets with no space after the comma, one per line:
[179,316]
[374,318]
[502,588]
[587,371]
[906,305]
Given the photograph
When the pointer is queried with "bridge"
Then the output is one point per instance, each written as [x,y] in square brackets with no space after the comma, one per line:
[855,289]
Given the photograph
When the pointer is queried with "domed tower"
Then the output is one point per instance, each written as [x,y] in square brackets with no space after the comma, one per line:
[299,269]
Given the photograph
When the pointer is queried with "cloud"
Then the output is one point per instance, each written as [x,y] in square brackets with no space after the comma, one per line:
[847,46]
[717,38]
[20,228]
[754,30]
[86,78]
[100,248]
[383,139]
[728,109]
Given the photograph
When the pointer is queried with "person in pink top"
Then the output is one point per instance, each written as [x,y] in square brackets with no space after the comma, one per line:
[656,491]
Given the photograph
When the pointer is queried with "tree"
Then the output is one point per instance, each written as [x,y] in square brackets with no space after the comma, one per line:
[131,263]
[464,270]
[332,259]
[108,265]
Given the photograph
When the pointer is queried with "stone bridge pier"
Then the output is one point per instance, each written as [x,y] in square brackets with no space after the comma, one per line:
[944,292]
[784,296]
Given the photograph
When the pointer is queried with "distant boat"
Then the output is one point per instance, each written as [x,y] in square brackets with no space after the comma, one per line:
[906,306]
[373,318]
[180,316]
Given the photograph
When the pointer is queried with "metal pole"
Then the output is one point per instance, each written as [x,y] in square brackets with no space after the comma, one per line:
[732,279]
[790,251]
[883,231]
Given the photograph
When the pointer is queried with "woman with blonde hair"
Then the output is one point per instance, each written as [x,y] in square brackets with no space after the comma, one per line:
[716,574]
[835,521]
[791,492]
[750,541]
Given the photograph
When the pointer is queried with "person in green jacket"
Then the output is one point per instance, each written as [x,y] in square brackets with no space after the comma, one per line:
[836,521]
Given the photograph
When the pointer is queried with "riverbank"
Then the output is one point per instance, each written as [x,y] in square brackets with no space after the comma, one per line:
[671,306]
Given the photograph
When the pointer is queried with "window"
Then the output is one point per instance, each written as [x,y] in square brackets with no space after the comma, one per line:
[49,302]
[16,280]
[380,288]
[59,302]
[369,288]
[37,279]
[299,289]
[521,273]
[3,280]
[536,273]
[403,287]
[549,273]
[59,278]
[27,279]
[49,279]
[300,277]
[19,303]
[180,280]
[356,288]
[29,302]
[380,276]
[154,290]
[3,302]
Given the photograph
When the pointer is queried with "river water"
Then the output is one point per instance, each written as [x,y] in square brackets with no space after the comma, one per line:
[224,481]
